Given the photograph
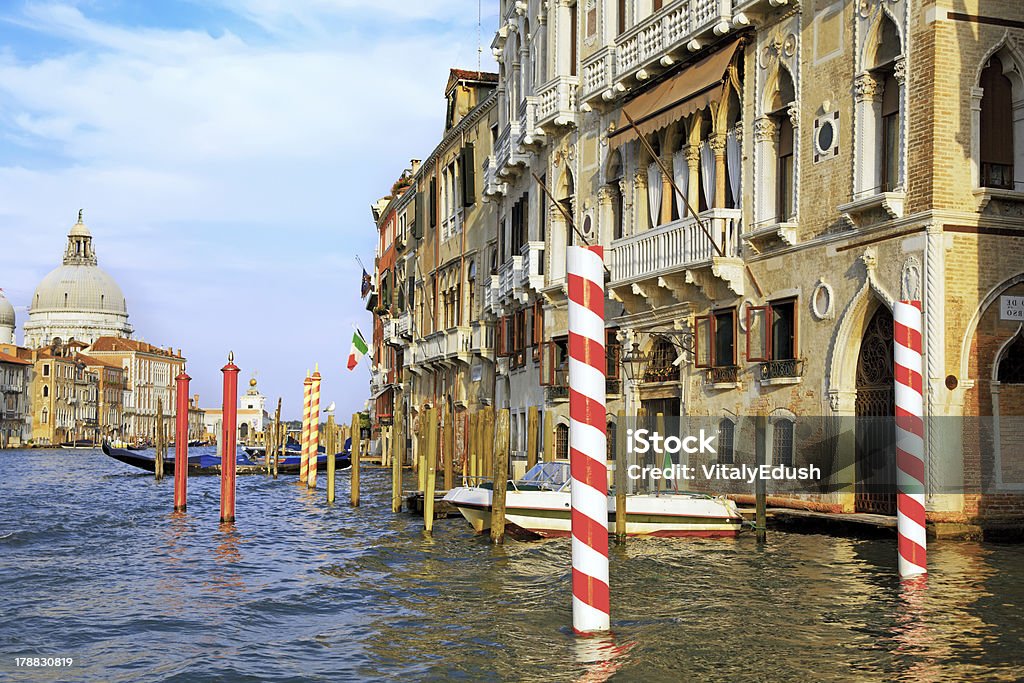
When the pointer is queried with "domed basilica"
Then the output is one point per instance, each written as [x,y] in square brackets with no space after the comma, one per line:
[78,300]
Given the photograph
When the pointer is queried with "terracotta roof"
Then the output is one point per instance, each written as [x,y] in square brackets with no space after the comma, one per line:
[120,344]
[5,358]
[457,75]
[89,361]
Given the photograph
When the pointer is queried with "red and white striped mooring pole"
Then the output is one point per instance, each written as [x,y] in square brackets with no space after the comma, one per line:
[587,438]
[910,455]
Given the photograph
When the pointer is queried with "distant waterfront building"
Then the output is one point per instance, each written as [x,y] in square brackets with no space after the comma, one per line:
[54,395]
[252,416]
[78,300]
[15,415]
[7,320]
[110,395]
[149,378]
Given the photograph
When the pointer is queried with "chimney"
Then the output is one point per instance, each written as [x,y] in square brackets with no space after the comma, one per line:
[414,164]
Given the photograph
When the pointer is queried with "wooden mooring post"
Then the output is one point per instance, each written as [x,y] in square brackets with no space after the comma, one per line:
[158,470]
[500,469]
[549,436]
[761,486]
[397,455]
[356,424]
[331,439]
[449,448]
[280,437]
[620,478]
[430,469]
[531,437]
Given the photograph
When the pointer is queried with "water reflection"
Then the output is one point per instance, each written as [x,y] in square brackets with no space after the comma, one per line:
[361,594]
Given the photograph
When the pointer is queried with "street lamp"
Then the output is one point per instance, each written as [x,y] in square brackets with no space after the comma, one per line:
[634,362]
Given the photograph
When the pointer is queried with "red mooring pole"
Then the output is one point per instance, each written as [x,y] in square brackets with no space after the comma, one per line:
[230,426]
[181,443]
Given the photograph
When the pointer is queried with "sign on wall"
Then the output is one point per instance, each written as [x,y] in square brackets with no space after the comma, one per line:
[1011,308]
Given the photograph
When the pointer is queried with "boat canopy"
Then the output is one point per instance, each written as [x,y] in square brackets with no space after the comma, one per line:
[548,474]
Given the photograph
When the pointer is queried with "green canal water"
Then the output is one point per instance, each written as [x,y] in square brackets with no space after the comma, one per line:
[94,567]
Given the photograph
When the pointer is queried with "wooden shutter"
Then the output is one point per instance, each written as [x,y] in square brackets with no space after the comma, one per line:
[502,350]
[546,363]
[759,338]
[703,341]
[432,206]
[538,329]
[468,175]
[417,221]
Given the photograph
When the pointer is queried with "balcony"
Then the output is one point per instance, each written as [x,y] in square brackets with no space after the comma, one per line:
[676,246]
[531,269]
[724,377]
[403,324]
[776,372]
[528,136]
[650,43]
[508,157]
[508,275]
[491,297]
[482,339]
[556,102]
[389,331]
[493,185]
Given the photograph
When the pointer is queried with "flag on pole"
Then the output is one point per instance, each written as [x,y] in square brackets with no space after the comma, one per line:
[367,285]
[358,350]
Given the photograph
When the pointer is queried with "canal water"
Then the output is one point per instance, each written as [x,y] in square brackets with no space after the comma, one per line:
[94,567]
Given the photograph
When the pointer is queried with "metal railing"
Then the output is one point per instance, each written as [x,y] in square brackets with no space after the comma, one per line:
[781,369]
[727,374]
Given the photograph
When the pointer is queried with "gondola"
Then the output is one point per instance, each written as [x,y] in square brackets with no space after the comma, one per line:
[209,463]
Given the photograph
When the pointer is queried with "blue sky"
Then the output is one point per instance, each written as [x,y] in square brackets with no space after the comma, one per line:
[226,153]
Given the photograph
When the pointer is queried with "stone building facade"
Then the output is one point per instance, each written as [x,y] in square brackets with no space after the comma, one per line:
[767,178]
[434,344]
[15,406]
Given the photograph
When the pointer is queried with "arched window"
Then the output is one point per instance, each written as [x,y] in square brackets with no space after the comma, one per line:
[562,442]
[726,437]
[614,177]
[782,442]
[46,391]
[1011,365]
[996,127]
[46,416]
[660,368]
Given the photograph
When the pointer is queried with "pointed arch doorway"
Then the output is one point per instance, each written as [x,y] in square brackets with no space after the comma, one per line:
[875,489]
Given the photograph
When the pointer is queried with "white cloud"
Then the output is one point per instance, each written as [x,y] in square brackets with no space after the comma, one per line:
[226,177]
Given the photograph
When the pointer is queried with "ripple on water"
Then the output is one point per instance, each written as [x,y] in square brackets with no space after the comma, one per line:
[100,569]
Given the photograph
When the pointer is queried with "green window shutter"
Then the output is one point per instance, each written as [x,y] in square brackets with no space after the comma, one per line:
[468,174]
[417,223]
[433,202]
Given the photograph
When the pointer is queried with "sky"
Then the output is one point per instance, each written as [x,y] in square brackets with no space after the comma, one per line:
[226,154]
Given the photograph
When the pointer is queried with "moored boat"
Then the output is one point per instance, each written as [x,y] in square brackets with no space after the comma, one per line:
[209,462]
[540,504]
[80,445]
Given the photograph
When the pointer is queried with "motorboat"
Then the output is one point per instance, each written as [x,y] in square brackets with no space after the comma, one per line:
[539,504]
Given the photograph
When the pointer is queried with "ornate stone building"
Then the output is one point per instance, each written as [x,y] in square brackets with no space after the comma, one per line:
[15,406]
[767,177]
[78,300]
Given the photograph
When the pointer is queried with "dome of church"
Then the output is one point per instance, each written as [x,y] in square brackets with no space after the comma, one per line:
[78,299]
[78,288]
[6,311]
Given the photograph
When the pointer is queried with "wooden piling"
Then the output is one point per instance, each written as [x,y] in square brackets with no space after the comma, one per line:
[280,437]
[760,485]
[471,446]
[421,450]
[449,448]
[531,437]
[330,457]
[500,468]
[659,422]
[397,455]
[430,469]
[158,470]
[620,478]
[549,436]
[488,443]
[356,423]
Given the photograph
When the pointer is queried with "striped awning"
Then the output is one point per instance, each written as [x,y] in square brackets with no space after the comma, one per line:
[692,89]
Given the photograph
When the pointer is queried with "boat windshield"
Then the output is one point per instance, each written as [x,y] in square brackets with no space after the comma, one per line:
[552,475]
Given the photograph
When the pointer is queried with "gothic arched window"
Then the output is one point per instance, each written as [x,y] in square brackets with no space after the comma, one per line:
[996,127]
[1011,365]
